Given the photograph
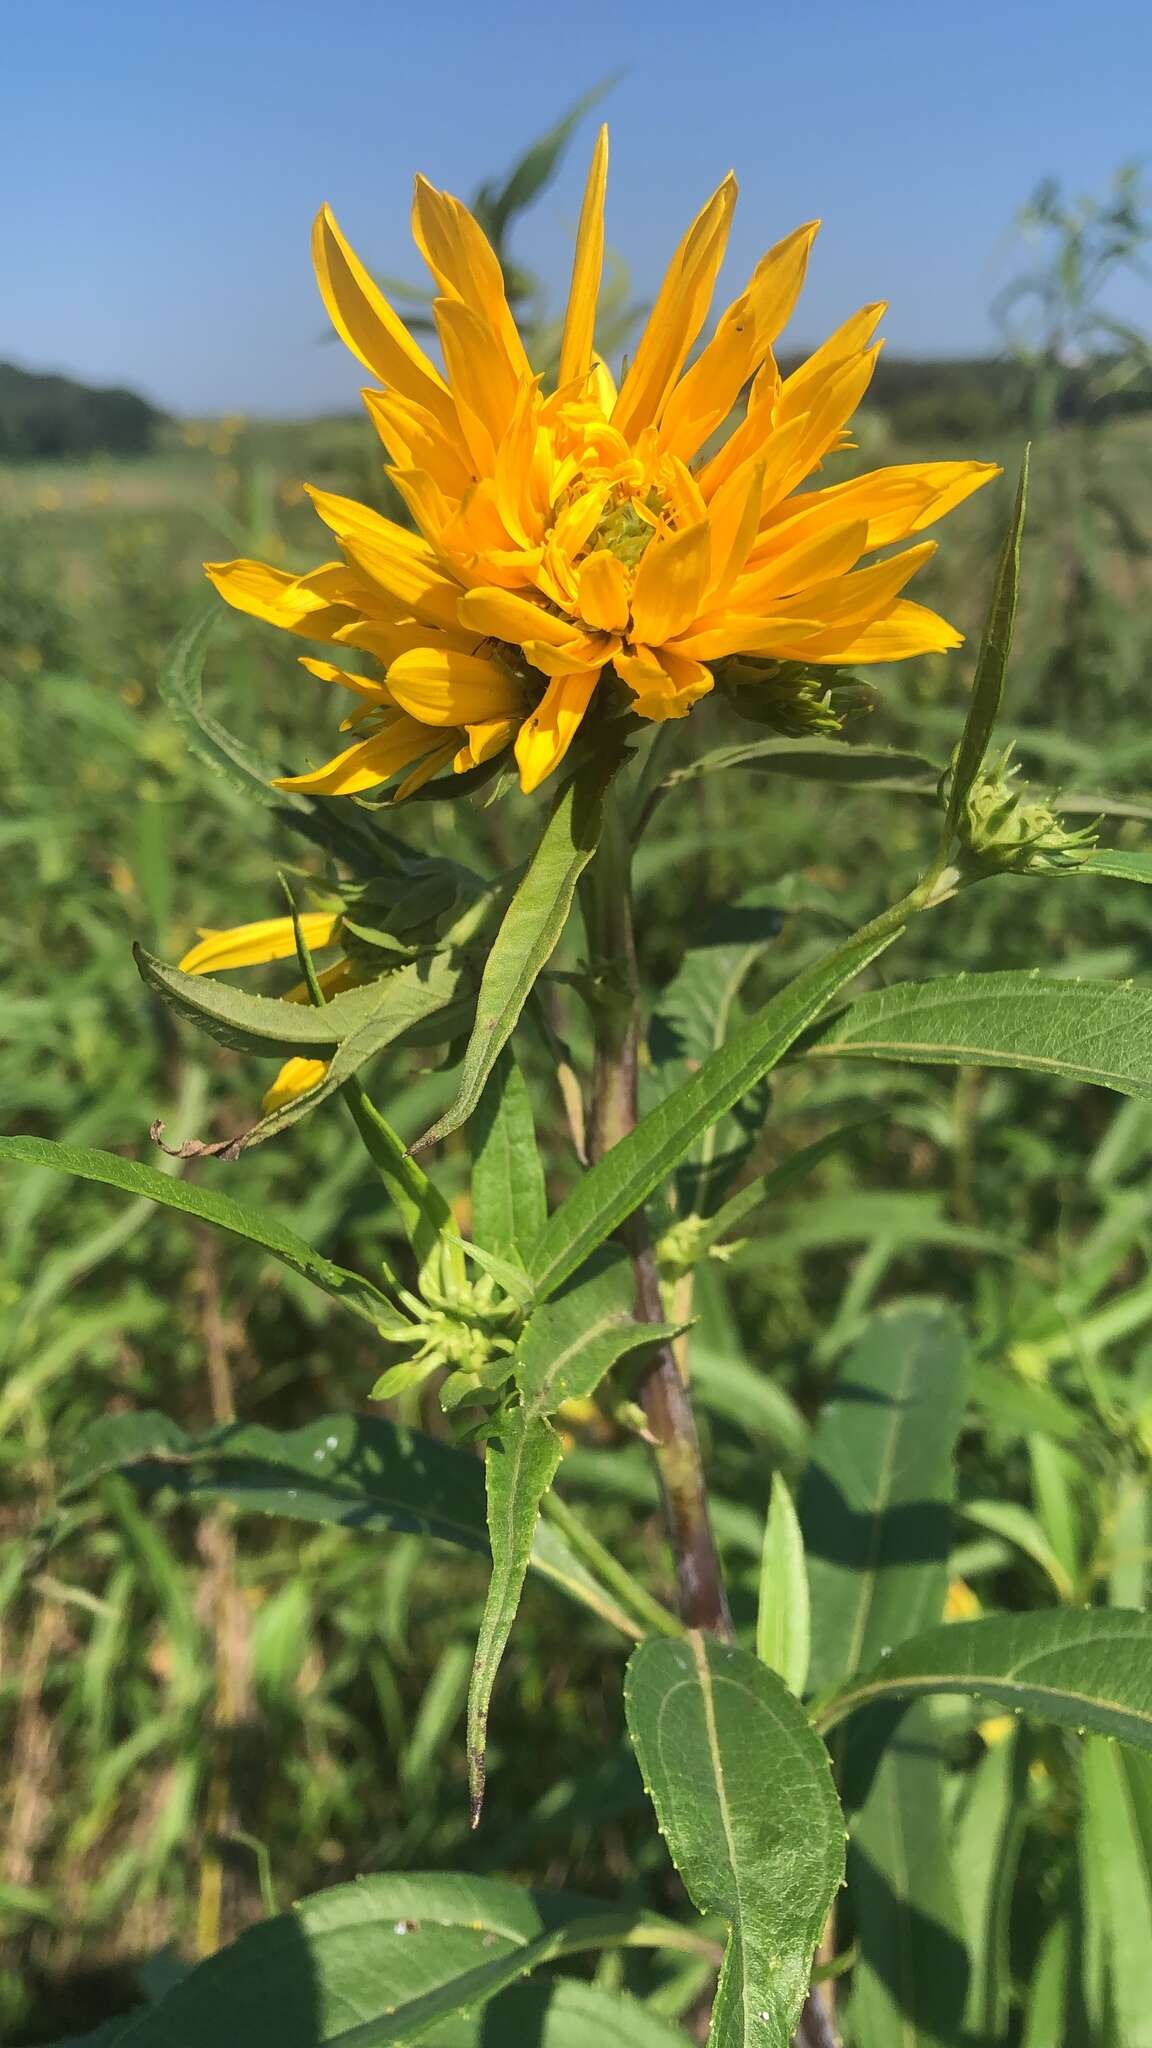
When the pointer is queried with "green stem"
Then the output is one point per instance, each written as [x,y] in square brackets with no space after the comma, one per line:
[662,1391]
[428,1221]
[608,1569]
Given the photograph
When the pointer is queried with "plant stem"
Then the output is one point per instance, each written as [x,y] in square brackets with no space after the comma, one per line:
[662,1391]
[608,1569]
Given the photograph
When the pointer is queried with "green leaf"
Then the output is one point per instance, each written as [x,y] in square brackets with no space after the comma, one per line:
[384,1960]
[821,760]
[991,662]
[181,686]
[737,1209]
[1097,1031]
[563,1354]
[875,1504]
[743,1792]
[696,1014]
[354,1471]
[1122,867]
[627,1175]
[910,1982]
[519,1467]
[268,1024]
[988,1839]
[236,1218]
[783,1618]
[529,933]
[561,2013]
[509,1204]
[538,165]
[1116,1797]
[1008,1519]
[1085,1668]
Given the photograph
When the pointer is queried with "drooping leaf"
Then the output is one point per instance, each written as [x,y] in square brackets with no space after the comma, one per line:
[1084,1668]
[383,1961]
[258,1228]
[530,932]
[566,1348]
[627,1175]
[354,1471]
[743,1792]
[783,1617]
[1096,1031]
[536,168]
[875,1504]
[509,1204]
[991,662]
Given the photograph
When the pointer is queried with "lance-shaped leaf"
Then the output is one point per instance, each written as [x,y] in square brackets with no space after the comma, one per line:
[181,687]
[267,1025]
[509,1204]
[1097,1031]
[988,1837]
[530,932]
[1121,867]
[1116,1832]
[1087,1668]
[385,1960]
[627,1174]
[876,1500]
[353,1471]
[743,1791]
[892,769]
[910,1983]
[991,663]
[237,1218]
[566,1349]
[561,2012]
[783,1616]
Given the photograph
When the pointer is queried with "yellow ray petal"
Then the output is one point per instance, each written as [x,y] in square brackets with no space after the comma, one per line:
[707,392]
[670,584]
[733,518]
[678,315]
[501,615]
[814,559]
[251,945]
[296,1077]
[465,266]
[440,757]
[798,391]
[665,684]
[441,687]
[488,739]
[414,440]
[362,686]
[545,736]
[895,502]
[588,263]
[587,652]
[906,630]
[369,763]
[846,600]
[399,562]
[483,381]
[368,326]
[308,604]
[602,591]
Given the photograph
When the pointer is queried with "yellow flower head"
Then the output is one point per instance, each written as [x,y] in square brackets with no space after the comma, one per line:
[577,540]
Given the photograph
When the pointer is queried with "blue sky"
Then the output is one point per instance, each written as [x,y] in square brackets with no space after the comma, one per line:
[168,161]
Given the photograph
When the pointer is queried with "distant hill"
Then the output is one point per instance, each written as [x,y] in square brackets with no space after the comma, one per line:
[43,416]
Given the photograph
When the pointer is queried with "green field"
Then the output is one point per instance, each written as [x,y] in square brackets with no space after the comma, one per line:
[203,1715]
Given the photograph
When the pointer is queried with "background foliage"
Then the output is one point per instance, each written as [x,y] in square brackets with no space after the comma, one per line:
[204,1716]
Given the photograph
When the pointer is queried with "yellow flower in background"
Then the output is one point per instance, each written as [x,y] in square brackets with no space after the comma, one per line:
[253,945]
[589,538]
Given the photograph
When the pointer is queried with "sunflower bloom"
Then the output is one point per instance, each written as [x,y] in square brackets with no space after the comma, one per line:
[590,546]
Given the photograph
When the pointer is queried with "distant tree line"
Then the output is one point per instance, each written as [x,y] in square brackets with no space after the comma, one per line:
[45,417]
[950,397]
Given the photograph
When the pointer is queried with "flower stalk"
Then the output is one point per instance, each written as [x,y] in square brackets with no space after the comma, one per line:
[662,1391]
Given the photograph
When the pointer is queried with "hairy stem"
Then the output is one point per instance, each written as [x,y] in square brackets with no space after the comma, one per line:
[662,1390]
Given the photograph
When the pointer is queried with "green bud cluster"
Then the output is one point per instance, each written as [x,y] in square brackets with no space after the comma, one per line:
[466,1328]
[1004,827]
[788,697]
